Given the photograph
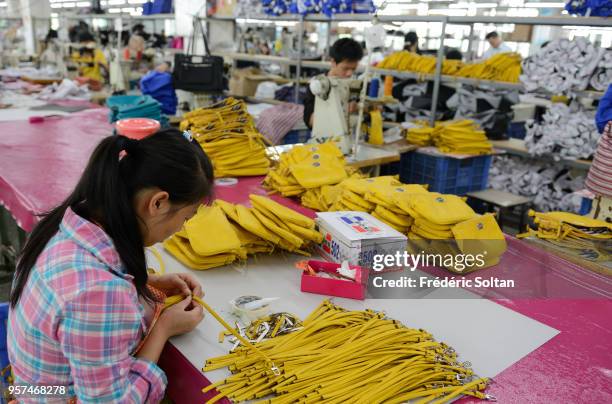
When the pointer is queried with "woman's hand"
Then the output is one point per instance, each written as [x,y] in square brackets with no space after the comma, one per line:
[176,284]
[180,318]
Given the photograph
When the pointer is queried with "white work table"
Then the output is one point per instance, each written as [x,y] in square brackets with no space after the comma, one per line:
[490,336]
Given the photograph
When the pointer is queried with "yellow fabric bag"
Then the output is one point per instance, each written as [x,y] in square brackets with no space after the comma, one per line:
[480,234]
[441,209]
[248,221]
[211,221]
[283,212]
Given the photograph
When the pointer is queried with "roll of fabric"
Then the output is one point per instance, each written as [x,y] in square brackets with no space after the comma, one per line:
[562,66]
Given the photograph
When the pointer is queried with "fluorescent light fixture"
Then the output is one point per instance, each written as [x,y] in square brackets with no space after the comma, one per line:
[83,4]
[56,6]
[448,11]
[68,5]
[473,5]
[115,2]
[137,1]
[545,5]
[3,4]
[114,10]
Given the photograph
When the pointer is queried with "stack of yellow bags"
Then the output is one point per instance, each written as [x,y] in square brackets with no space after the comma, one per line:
[408,61]
[227,133]
[223,233]
[501,67]
[445,224]
[459,137]
[309,171]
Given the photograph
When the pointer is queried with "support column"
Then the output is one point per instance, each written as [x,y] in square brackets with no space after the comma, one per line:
[35,16]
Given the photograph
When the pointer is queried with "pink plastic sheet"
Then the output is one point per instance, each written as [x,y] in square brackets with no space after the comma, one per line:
[41,163]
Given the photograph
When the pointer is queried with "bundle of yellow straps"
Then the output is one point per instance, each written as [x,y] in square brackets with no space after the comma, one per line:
[501,67]
[227,133]
[458,137]
[224,233]
[573,231]
[342,356]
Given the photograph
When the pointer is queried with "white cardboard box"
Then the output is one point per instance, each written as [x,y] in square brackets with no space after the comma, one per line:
[357,237]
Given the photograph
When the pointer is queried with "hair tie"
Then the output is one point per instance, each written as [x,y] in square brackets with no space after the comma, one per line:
[126,146]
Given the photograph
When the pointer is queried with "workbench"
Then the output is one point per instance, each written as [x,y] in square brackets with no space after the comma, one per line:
[545,341]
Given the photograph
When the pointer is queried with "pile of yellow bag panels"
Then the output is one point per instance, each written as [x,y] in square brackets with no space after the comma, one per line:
[590,236]
[224,233]
[501,67]
[310,172]
[227,133]
[455,137]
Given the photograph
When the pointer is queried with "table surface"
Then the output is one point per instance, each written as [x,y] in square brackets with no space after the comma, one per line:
[570,367]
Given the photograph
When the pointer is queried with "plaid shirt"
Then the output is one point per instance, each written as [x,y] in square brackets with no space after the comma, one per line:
[79,320]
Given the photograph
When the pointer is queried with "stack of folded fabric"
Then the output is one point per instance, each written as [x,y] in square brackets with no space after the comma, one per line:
[501,67]
[459,137]
[159,86]
[238,231]
[227,133]
[408,61]
[445,224]
[562,66]
[134,106]
[565,131]
[305,170]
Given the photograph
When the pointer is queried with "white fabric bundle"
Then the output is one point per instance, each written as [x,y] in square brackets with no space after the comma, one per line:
[551,188]
[562,66]
[465,102]
[603,74]
[567,132]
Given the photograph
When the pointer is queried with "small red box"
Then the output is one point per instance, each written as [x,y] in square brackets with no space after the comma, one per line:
[334,287]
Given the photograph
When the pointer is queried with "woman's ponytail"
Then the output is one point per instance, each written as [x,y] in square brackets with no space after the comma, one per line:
[118,168]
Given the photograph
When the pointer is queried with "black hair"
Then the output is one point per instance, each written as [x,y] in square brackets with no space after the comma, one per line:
[346,49]
[492,34]
[105,194]
[86,37]
[454,54]
[411,38]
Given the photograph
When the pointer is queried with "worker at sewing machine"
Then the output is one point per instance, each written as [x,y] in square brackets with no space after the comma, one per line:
[345,53]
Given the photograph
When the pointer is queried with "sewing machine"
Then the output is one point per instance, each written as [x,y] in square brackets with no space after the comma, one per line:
[332,120]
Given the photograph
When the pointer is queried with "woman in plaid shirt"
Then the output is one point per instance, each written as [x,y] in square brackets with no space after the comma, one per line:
[82,300]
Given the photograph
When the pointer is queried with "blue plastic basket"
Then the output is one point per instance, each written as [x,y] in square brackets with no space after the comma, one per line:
[585,206]
[517,130]
[446,175]
[296,136]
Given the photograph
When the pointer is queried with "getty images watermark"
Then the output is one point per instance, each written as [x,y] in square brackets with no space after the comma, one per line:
[411,262]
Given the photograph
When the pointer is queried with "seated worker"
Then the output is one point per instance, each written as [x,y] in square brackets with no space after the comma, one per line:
[345,55]
[90,60]
[497,46]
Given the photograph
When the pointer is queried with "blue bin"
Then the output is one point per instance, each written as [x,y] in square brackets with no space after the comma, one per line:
[517,130]
[585,206]
[296,136]
[444,174]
